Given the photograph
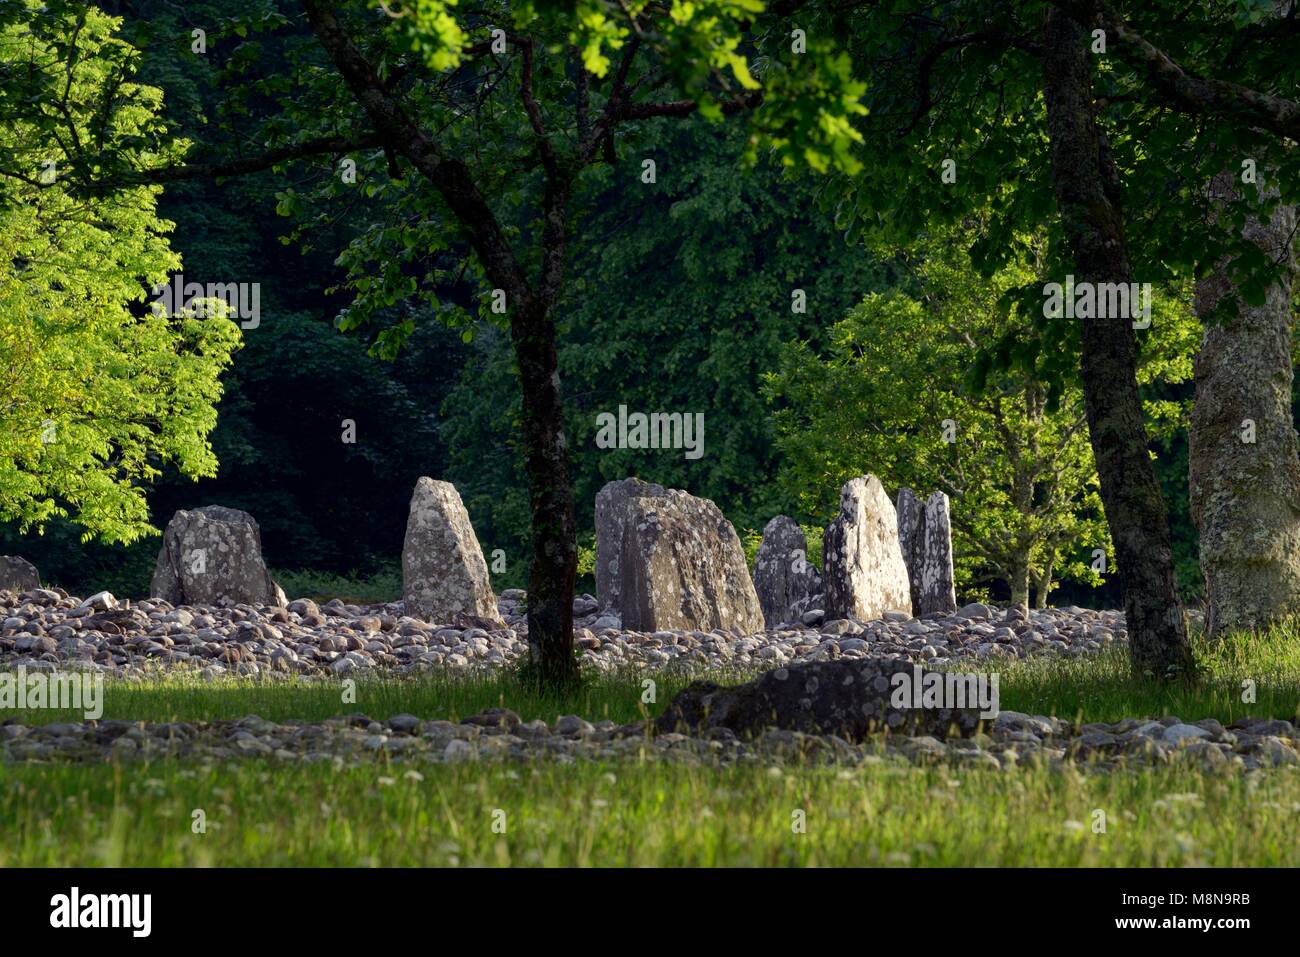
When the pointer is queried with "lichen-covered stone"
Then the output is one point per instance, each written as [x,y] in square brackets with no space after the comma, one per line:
[863,574]
[18,574]
[931,569]
[444,575]
[909,512]
[682,567]
[213,556]
[611,514]
[783,576]
[851,698]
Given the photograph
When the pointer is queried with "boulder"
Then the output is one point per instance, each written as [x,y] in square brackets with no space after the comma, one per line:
[682,567]
[931,567]
[611,513]
[910,512]
[18,574]
[784,579]
[851,698]
[213,556]
[863,574]
[444,575]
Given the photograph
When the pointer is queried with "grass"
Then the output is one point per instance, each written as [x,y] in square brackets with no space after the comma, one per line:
[590,814]
[666,811]
[1101,688]
[1092,689]
[383,585]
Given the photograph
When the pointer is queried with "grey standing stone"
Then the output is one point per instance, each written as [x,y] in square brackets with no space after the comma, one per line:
[910,513]
[18,574]
[444,575]
[863,574]
[611,514]
[682,567]
[213,556]
[783,576]
[931,568]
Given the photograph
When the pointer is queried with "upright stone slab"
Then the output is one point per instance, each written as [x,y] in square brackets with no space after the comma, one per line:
[611,514]
[444,575]
[783,576]
[863,574]
[213,556]
[909,536]
[931,570]
[682,567]
[18,574]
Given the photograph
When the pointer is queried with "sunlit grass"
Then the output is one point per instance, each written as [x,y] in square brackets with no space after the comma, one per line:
[641,814]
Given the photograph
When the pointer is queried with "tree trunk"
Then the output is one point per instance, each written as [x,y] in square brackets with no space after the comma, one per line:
[1018,581]
[1043,585]
[555,554]
[1085,182]
[1245,494]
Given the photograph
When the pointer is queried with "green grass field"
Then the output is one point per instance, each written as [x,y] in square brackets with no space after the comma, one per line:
[658,812]
[640,814]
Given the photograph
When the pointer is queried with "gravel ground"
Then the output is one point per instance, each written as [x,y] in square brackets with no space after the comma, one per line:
[499,735]
[46,630]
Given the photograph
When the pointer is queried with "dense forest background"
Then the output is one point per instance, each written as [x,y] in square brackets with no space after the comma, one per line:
[680,301]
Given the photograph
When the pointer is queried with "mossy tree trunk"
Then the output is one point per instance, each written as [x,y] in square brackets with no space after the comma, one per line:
[1086,183]
[1244,464]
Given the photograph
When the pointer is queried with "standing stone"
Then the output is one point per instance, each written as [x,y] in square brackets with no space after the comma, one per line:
[682,567]
[909,537]
[611,514]
[863,572]
[213,556]
[18,574]
[931,569]
[444,575]
[783,576]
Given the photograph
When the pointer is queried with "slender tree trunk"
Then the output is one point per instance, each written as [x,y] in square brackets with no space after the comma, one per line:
[1019,582]
[1043,585]
[555,554]
[1244,464]
[1087,198]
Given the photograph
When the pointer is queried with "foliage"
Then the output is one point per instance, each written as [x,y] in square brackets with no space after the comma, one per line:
[680,300]
[892,397]
[96,391]
[962,84]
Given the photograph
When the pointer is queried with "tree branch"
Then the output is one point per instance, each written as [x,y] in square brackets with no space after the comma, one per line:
[532,109]
[1183,90]
[449,176]
[924,99]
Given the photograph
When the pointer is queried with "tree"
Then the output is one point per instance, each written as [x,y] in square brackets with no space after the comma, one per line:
[894,398]
[1086,118]
[679,299]
[97,392]
[1244,459]
[474,130]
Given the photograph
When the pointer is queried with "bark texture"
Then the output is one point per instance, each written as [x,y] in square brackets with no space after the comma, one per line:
[1244,464]
[1087,194]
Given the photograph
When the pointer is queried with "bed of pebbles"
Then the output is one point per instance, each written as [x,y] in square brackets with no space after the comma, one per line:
[46,630]
[499,735]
